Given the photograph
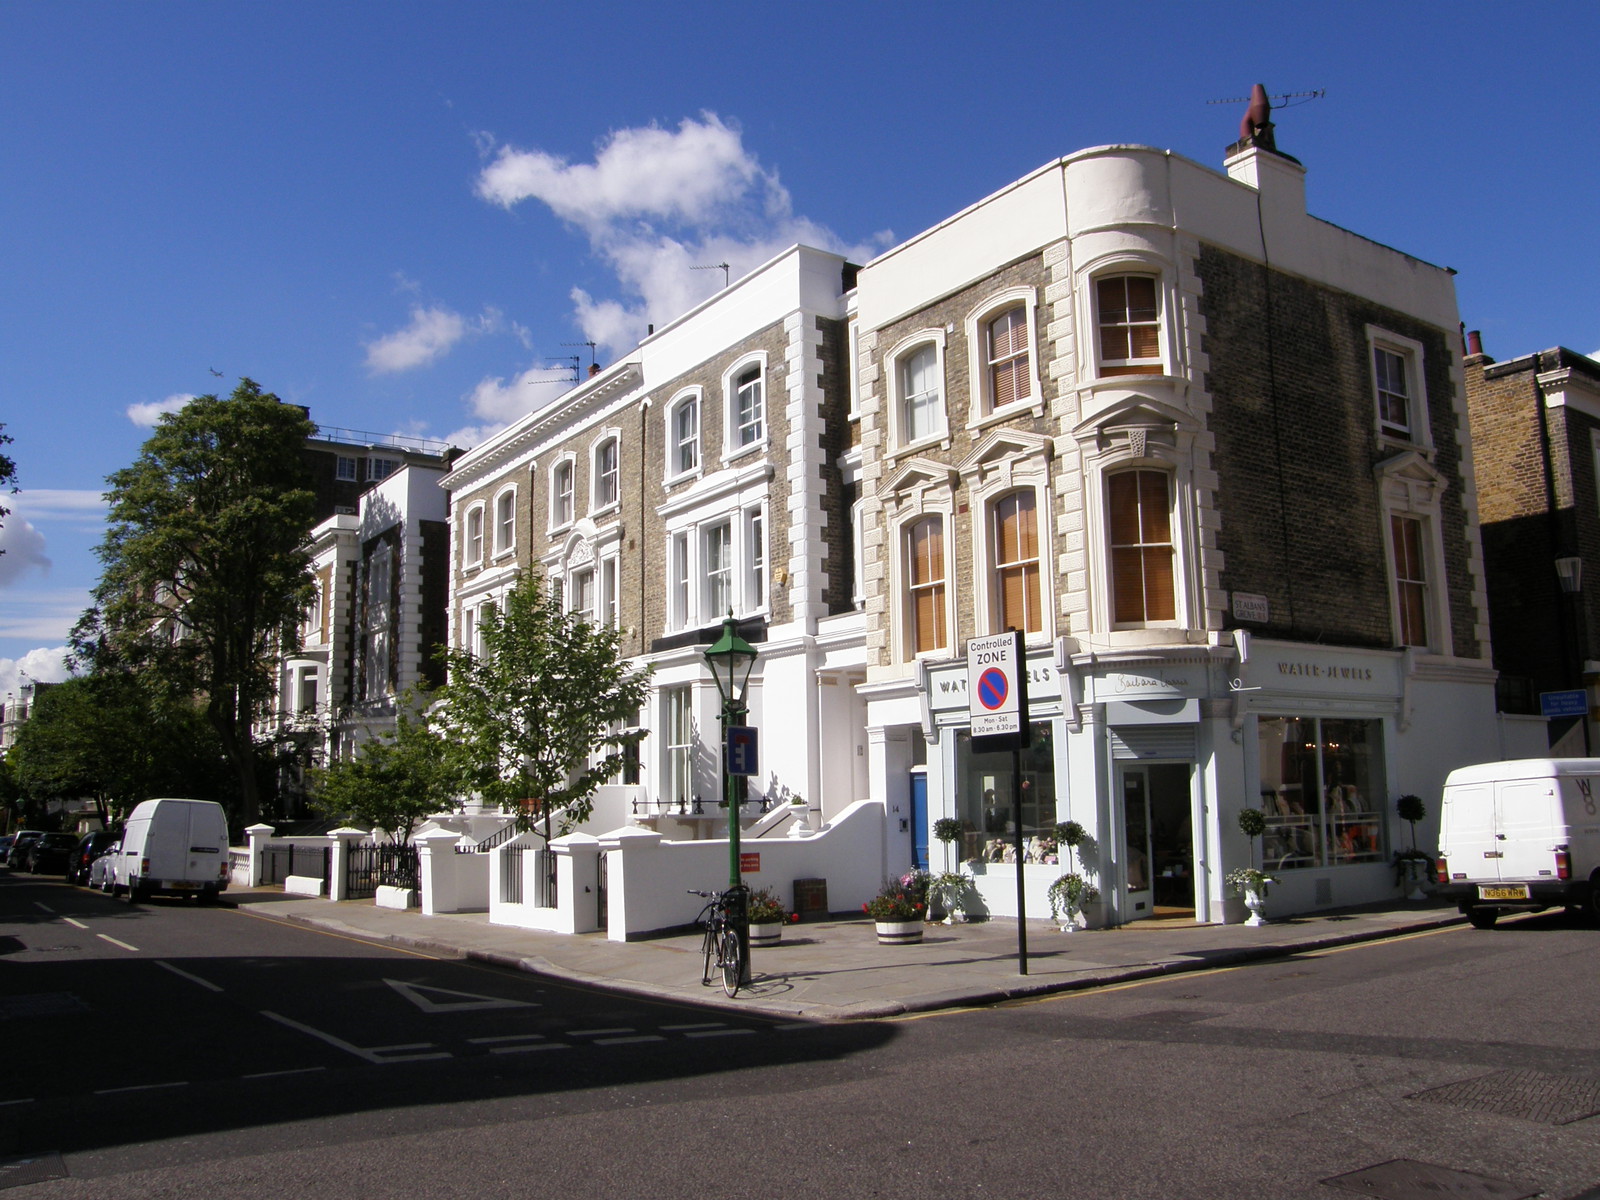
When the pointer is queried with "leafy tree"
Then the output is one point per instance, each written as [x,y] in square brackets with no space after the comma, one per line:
[395,780]
[111,739]
[543,715]
[206,567]
[8,474]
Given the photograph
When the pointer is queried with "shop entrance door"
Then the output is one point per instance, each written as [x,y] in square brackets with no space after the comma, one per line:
[1158,832]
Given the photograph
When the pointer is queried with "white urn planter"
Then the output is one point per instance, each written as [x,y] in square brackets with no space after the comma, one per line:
[1255,902]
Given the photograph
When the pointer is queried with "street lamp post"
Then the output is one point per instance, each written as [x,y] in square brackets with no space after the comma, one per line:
[732,659]
[1569,570]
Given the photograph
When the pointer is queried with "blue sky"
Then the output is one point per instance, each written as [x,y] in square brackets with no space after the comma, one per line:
[400,214]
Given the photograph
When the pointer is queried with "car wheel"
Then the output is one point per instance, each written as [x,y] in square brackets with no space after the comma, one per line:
[1482,918]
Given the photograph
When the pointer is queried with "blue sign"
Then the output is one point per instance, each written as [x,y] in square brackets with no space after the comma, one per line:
[1573,703]
[739,750]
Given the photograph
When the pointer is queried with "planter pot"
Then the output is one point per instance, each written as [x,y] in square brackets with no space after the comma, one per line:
[768,933]
[899,933]
[1255,902]
[1416,871]
[1071,922]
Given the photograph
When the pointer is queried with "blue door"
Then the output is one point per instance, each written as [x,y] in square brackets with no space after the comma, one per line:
[919,820]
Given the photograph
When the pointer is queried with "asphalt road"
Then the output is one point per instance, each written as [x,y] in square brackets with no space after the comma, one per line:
[172,1050]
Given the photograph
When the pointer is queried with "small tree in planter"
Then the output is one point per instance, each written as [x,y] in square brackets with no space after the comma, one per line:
[948,890]
[1410,866]
[1071,891]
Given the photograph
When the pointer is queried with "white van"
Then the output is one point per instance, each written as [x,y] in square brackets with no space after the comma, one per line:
[1521,836]
[174,847]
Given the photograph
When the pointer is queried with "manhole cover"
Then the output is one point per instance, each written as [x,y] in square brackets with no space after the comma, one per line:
[1403,1179]
[36,1168]
[1531,1095]
[41,1004]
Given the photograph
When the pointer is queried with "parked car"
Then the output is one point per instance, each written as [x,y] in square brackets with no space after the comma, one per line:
[89,848]
[51,853]
[103,871]
[5,845]
[19,847]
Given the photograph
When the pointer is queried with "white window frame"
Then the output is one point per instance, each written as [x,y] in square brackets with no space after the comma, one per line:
[717,579]
[1172,527]
[753,531]
[693,597]
[688,400]
[505,521]
[1410,488]
[920,488]
[906,640]
[733,445]
[380,467]
[599,501]
[582,593]
[853,360]
[1410,352]
[678,743]
[472,535]
[345,469]
[680,594]
[563,492]
[606,591]
[899,436]
[980,383]
[1091,369]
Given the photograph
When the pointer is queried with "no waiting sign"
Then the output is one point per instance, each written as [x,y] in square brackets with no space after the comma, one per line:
[996,690]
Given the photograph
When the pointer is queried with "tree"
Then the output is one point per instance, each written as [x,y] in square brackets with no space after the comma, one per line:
[395,780]
[206,566]
[8,474]
[547,713]
[111,739]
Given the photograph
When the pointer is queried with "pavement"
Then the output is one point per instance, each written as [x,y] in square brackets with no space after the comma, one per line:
[835,970]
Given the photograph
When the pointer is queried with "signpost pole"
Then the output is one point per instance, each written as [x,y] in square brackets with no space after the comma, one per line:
[997,691]
[1016,821]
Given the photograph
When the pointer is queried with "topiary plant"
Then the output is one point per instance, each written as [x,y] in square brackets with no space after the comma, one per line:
[1411,809]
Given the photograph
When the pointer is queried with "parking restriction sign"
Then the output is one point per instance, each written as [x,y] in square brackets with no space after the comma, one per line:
[996,689]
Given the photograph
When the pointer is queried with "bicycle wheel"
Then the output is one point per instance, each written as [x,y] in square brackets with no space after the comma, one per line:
[731,960]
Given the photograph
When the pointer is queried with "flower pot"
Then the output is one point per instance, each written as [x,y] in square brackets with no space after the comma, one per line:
[899,933]
[1415,872]
[1255,902]
[766,933]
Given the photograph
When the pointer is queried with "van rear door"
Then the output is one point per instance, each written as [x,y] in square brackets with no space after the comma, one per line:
[1527,829]
[1469,841]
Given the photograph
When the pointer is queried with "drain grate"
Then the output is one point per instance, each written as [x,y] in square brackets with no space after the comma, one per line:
[1530,1095]
[41,1004]
[36,1168]
[1403,1179]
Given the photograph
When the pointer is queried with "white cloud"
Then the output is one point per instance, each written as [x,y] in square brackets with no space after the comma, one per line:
[146,415]
[23,547]
[57,503]
[430,336]
[42,615]
[39,666]
[655,204]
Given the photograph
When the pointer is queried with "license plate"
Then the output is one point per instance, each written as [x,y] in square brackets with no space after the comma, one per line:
[1504,891]
[184,885]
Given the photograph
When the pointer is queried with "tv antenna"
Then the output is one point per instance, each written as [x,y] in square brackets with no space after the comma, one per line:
[721,266]
[564,359]
[1280,100]
[576,360]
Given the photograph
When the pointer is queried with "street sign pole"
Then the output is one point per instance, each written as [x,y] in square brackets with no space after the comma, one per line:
[997,705]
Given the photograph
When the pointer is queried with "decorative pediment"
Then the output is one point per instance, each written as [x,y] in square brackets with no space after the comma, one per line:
[1003,451]
[1410,480]
[914,477]
[578,550]
[1134,423]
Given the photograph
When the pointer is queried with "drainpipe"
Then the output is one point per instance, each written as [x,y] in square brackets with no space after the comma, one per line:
[1552,516]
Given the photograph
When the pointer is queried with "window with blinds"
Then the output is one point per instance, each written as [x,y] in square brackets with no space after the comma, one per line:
[1016,563]
[1410,579]
[1142,585]
[925,556]
[1009,376]
[1129,325]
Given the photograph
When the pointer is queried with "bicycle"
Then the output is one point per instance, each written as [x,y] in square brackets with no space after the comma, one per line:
[721,918]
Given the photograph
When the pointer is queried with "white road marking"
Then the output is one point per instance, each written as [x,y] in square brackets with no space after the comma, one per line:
[205,983]
[626,1041]
[279,1074]
[44,907]
[719,1033]
[686,1028]
[372,1054]
[77,924]
[524,1048]
[142,1087]
[511,1037]
[114,942]
[530,1049]
[9,1103]
[601,1032]
[464,1001]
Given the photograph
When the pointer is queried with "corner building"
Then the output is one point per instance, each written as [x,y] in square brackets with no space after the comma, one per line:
[1211,455]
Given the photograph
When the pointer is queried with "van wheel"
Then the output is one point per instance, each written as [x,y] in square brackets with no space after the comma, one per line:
[1483,918]
[1591,902]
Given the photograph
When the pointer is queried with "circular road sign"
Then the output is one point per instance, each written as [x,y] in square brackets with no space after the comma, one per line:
[993,687]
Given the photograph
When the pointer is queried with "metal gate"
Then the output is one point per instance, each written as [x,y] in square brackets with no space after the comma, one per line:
[369,866]
[279,860]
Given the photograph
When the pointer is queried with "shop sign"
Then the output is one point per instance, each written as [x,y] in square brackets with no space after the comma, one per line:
[1307,669]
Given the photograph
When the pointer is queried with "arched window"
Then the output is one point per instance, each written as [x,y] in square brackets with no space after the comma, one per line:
[683,436]
[921,396]
[1139,508]
[1006,347]
[925,585]
[1016,563]
[748,409]
[1128,314]
[606,488]
[505,522]
[561,513]
[472,545]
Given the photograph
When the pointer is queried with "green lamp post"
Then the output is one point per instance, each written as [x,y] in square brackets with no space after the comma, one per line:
[732,659]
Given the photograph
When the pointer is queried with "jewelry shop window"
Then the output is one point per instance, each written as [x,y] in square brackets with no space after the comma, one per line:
[1322,792]
[985,807]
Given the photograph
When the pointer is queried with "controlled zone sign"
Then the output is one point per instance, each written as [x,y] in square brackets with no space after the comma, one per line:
[995,688]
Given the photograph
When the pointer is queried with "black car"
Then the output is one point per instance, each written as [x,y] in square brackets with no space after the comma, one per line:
[51,853]
[17,858]
[91,847]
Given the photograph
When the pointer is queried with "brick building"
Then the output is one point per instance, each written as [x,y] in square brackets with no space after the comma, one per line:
[1536,438]
[1211,455]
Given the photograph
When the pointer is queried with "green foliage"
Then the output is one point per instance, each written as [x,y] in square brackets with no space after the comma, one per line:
[950,891]
[1069,894]
[1070,834]
[544,715]
[1411,808]
[1248,879]
[206,570]
[765,909]
[1253,822]
[947,829]
[903,899]
[395,780]
[8,472]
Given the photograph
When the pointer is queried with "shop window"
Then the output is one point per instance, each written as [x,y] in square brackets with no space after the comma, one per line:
[1139,505]
[1322,792]
[1015,543]
[925,583]
[1128,317]
[986,809]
